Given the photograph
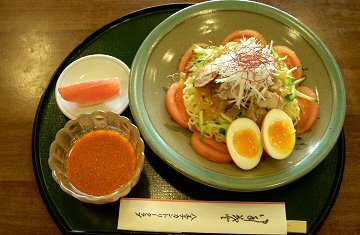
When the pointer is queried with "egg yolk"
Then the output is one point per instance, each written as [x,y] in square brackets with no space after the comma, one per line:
[280,135]
[246,143]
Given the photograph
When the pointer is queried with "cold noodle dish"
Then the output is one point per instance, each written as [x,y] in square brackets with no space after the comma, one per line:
[242,99]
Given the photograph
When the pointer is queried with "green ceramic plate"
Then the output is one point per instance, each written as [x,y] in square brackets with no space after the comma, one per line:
[159,56]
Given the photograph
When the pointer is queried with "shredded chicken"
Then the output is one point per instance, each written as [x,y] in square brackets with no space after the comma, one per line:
[271,101]
[206,74]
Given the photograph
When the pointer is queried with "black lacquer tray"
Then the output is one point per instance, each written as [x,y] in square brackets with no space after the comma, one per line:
[310,198]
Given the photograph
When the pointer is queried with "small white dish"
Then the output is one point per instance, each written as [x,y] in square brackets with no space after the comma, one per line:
[92,67]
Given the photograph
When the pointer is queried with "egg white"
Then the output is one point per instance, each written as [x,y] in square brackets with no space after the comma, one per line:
[243,162]
[272,116]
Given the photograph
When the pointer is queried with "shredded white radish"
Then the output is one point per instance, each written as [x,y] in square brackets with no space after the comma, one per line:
[246,68]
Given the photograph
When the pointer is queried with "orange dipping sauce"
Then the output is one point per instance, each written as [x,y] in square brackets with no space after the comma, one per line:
[100,162]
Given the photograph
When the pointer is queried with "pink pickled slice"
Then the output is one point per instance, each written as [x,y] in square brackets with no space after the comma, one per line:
[91,92]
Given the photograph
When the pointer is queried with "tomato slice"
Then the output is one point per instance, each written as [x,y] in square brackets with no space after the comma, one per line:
[185,60]
[309,110]
[291,60]
[203,147]
[221,146]
[246,33]
[175,105]
[304,116]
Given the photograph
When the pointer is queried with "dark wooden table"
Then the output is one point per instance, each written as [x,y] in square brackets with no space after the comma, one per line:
[36,36]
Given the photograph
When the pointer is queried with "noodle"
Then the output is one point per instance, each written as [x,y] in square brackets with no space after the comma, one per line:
[214,121]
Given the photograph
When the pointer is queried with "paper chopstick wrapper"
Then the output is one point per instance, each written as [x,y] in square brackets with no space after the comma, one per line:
[205,217]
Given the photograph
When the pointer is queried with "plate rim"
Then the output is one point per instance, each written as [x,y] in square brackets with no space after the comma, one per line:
[209,177]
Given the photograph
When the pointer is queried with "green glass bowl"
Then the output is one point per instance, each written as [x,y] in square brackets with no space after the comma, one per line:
[159,55]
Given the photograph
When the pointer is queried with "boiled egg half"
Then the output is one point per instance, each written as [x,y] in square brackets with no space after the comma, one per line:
[278,134]
[243,140]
